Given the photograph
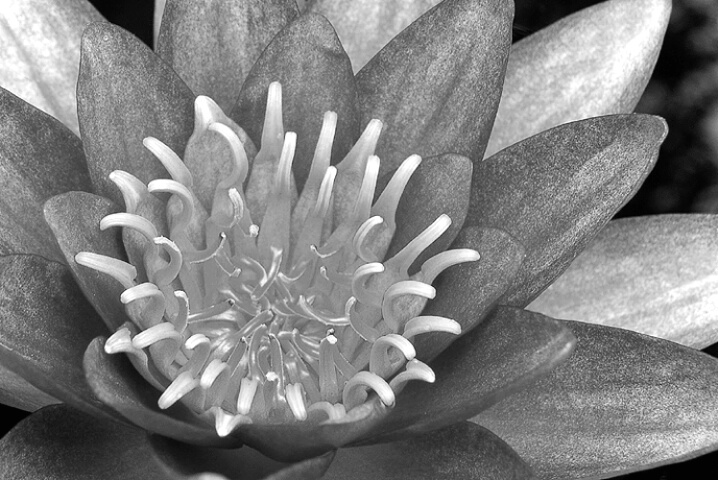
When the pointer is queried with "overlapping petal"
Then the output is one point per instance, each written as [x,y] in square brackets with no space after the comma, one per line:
[424,84]
[653,275]
[199,40]
[554,191]
[39,158]
[366,26]
[41,52]
[551,80]
[622,402]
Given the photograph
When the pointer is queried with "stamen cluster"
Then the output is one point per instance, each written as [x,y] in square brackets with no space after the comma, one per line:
[259,305]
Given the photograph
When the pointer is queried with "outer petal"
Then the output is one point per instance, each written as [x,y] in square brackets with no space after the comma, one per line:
[511,349]
[460,451]
[46,324]
[39,158]
[16,392]
[126,93]
[41,46]
[588,64]
[553,192]
[235,464]
[366,26]
[622,402]
[212,45]
[316,76]
[653,275]
[74,218]
[59,443]
[436,86]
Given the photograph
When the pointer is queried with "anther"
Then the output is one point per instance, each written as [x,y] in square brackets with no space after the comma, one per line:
[408,287]
[430,323]
[355,390]
[415,370]
[129,220]
[123,272]
[170,160]
[380,362]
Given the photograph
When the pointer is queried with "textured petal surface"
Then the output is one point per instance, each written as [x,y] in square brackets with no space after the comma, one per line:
[41,52]
[212,44]
[39,158]
[115,382]
[653,275]
[60,443]
[437,85]
[551,77]
[622,402]
[46,324]
[553,192]
[74,218]
[440,185]
[461,451]
[509,350]
[467,292]
[126,93]
[366,26]
[243,463]
[16,392]
[316,76]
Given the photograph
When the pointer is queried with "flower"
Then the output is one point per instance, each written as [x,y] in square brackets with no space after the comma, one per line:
[618,400]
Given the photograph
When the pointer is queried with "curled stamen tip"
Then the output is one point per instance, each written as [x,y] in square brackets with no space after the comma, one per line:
[206,112]
[226,423]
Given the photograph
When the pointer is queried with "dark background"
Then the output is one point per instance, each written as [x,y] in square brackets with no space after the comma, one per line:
[684,90]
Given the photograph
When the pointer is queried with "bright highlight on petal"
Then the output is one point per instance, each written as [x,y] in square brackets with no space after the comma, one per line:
[298,319]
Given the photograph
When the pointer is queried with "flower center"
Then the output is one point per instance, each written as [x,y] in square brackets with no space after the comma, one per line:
[258,305]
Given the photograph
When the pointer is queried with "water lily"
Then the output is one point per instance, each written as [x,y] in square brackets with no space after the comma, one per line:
[253,245]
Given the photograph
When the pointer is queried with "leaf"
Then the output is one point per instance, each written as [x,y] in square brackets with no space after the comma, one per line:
[213,45]
[622,402]
[436,85]
[41,47]
[460,451]
[46,325]
[653,275]
[554,191]
[34,167]
[126,93]
[552,79]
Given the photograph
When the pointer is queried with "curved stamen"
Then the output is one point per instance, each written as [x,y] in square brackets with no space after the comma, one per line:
[123,272]
[401,289]
[129,220]
[170,160]
[355,390]
[430,323]
[379,361]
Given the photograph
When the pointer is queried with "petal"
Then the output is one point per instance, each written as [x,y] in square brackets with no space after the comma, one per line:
[437,85]
[41,46]
[440,185]
[39,158]
[308,60]
[239,463]
[126,93]
[460,451]
[212,45]
[16,392]
[74,218]
[510,349]
[551,80]
[46,325]
[60,443]
[623,402]
[115,382]
[469,291]
[653,275]
[366,26]
[554,191]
